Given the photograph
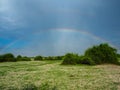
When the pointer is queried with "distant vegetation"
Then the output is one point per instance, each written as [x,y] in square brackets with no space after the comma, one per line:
[98,54]
[71,58]
[23,58]
[7,57]
[118,55]
[37,58]
[102,53]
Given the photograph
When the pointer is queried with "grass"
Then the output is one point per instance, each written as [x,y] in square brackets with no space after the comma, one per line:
[50,75]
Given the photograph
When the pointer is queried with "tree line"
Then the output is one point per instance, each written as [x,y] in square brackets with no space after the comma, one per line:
[97,54]
[9,57]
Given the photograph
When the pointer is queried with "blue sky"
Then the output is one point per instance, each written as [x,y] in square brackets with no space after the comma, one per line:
[55,27]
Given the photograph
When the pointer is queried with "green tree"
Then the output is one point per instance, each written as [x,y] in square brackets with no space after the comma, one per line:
[25,58]
[19,58]
[85,60]
[37,58]
[1,58]
[118,55]
[102,53]
[8,57]
[70,58]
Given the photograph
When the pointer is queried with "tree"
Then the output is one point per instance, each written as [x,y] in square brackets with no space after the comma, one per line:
[25,58]
[19,58]
[8,57]
[102,53]
[58,57]
[118,55]
[70,58]
[85,60]
[37,58]
[1,58]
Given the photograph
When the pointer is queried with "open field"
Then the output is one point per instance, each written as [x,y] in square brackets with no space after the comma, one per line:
[15,75]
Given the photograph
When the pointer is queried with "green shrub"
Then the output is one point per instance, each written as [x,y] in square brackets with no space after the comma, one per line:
[1,58]
[9,57]
[49,58]
[53,58]
[37,58]
[19,58]
[102,53]
[58,57]
[70,58]
[118,55]
[25,58]
[85,60]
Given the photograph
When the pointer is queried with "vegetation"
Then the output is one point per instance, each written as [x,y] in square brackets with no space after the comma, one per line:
[53,58]
[50,75]
[98,54]
[70,58]
[85,60]
[118,55]
[24,58]
[19,57]
[7,57]
[102,53]
[37,58]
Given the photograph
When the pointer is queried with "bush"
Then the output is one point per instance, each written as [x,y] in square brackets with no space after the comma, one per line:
[7,58]
[58,57]
[53,58]
[49,58]
[37,58]
[1,58]
[102,53]
[25,58]
[70,58]
[85,60]
[19,58]
[118,55]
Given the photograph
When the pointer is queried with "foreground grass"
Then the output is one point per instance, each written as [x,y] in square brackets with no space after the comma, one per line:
[15,75]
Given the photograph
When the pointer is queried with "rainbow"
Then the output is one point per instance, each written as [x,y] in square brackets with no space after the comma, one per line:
[80,31]
[64,30]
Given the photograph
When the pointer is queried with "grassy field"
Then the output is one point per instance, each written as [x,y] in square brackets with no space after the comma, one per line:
[50,74]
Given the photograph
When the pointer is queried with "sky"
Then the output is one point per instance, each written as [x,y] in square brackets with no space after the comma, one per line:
[56,27]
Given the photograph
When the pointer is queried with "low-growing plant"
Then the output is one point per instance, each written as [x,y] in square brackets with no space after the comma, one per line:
[29,87]
[85,60]
[46,86]
[70,58]
[25,58]
[38,58]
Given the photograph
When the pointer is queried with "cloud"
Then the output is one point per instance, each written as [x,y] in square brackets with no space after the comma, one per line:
[77,25]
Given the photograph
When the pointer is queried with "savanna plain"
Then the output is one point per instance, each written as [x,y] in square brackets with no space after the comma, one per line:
[51,75]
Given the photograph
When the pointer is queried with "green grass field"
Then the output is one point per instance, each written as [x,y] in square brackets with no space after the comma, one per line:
[17,75]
